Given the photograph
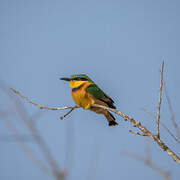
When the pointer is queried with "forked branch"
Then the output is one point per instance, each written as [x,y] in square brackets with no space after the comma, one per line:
[137,124]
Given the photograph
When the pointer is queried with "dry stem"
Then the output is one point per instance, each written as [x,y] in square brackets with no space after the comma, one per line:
[73,108]
[41,106]
[137,133]
[135,123]
[37,136]
[160,99]
[163,125]
[125,117]
[148,162]
[145,131]
[24,147]
[172,114]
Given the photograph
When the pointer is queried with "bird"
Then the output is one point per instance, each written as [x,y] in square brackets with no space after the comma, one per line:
[85,93]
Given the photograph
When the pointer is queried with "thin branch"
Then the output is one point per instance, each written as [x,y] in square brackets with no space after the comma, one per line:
[160,99]
[37,137]
[148,162]
[24,147]
[19,137]
[148,112]
[40,106]
[137,124]
[137,133]
[172,114]
[163,125]
[73,108]
[147,150]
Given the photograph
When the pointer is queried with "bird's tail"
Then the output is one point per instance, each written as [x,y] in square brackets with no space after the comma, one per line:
[111,119]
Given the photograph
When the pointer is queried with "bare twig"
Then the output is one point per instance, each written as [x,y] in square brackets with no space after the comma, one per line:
[24,147]
[148,162]
[148,112]
[163,125]
[137,124]
[19,137]
[137,133]
[147,150]
[37,137]
[62,117]
[160,99]
[40,106]
[125,117]
[172,114]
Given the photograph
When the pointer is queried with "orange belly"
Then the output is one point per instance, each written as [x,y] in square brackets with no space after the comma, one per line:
[81,99]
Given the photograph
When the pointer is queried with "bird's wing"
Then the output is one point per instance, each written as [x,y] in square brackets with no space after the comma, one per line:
[96,92]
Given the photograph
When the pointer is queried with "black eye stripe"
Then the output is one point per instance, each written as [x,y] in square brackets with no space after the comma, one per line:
[80,79]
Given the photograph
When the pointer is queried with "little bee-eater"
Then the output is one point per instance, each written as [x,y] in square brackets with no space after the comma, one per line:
[85,93]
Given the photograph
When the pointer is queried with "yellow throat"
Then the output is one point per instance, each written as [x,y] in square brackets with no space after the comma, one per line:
[79,93]
[75,84]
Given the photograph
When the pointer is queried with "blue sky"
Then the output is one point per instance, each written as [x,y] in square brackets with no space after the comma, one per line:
[120,45]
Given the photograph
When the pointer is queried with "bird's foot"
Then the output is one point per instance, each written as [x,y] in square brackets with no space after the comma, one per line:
[88,106]
[113,123]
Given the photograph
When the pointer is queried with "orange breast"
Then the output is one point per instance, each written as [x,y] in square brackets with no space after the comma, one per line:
[80,97]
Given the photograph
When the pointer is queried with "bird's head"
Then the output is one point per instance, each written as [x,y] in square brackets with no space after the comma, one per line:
[77,79]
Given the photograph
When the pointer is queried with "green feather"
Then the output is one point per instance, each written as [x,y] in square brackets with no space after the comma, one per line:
[81,75]
[96,92]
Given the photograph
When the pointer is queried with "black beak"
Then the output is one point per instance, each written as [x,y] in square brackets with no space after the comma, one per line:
[65,79]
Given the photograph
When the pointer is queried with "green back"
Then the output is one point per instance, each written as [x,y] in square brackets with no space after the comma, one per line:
[96,92]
